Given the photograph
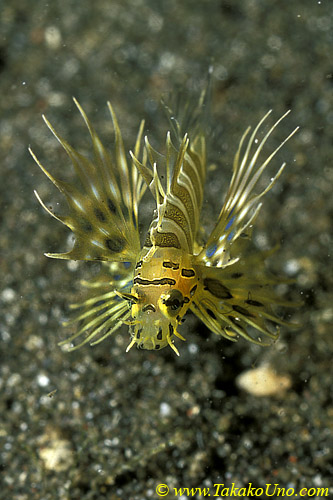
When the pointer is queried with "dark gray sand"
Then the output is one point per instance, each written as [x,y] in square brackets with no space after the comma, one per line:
[99,423]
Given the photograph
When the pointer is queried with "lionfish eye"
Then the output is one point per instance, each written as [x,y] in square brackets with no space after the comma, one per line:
[174,304]
[173,301]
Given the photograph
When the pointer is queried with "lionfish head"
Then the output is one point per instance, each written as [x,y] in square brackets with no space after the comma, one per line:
[155,323]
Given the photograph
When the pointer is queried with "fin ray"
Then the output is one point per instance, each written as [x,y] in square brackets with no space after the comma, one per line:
[241,205]
[103,211]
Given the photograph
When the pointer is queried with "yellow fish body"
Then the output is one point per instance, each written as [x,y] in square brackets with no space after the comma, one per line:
[223,281]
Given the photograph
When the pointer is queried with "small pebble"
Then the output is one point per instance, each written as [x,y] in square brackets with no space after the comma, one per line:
[263,381]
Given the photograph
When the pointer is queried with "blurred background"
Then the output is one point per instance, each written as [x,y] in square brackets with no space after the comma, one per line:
[102,424]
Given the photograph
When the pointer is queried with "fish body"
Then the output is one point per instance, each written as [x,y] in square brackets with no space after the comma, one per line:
[164,283]
[223,281]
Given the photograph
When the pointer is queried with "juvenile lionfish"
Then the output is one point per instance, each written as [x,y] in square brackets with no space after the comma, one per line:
[222,280]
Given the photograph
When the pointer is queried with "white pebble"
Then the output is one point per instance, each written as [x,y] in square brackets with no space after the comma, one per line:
[43,380]
[8,295]
[263,381]
[165,409]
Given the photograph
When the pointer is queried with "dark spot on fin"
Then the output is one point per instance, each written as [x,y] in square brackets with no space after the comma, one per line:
[86,226]
[243,311]
[111,206]
[159,335]
[216,288]
[115,244]
[210,313]
[254,303]
[99,215]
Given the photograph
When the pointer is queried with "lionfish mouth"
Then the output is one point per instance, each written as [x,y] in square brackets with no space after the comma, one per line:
[150,344]
[142,335]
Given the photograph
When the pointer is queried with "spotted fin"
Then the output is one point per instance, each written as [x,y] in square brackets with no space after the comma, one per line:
[242,204]
[239,300]
[103,210]
[104,311]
